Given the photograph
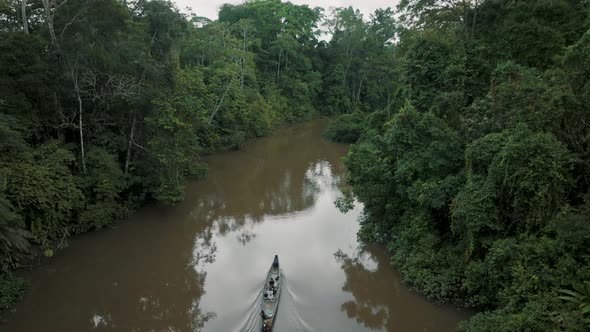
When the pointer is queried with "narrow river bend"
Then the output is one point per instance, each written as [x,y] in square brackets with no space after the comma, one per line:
[200,266]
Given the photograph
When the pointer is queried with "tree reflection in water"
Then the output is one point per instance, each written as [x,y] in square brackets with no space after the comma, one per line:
[231,201]
[245,237]
[367,289]
[296,192]
[175,268]
[278,176]
[204,252]
[165,298]
[382,302]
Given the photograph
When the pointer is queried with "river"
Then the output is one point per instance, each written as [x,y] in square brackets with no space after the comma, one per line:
[200,266]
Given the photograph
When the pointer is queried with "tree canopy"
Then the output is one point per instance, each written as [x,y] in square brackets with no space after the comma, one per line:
[476,177]
[107,104]
[469,120]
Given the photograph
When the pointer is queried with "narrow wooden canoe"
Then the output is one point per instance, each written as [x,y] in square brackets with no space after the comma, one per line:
[271,293]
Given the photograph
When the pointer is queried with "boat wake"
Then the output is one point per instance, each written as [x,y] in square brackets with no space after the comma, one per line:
[288,318]
[252,321]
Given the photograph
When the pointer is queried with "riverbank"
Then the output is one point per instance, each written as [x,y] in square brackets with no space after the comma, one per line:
[183,266]
[13,285]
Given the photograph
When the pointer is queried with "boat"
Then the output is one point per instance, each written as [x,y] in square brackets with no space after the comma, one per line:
[271,294]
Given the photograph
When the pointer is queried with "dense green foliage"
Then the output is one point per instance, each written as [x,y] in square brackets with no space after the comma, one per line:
[346,128]
[105,104]
[470,117]
[478,181]
[11,290]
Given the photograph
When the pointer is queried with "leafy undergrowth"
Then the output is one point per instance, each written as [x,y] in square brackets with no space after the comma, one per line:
[12,289]
[346,128]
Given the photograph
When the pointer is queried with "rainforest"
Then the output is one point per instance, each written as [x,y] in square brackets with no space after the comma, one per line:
[468,123]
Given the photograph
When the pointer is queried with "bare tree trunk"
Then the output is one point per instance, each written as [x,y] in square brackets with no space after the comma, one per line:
[80,114]
[358,96]
[60,135]
[475,8]
[243,60]
[279,66]
[464,18]
[81,133]
[49,18]
[24,15]
[129,143]
[347,65]
[218,106]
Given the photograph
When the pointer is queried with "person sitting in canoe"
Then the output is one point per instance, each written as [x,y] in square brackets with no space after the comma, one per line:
[269,294]
[273,286]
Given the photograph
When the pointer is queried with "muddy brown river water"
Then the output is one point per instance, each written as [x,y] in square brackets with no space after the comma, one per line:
[200,266]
